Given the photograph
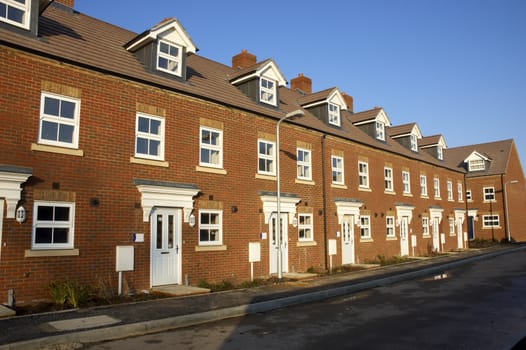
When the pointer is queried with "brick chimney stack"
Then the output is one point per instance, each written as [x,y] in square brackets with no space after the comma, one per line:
[68,3]
[301,83]
[244,59]
[349,101]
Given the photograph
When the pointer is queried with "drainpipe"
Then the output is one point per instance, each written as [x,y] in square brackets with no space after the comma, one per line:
[324,196]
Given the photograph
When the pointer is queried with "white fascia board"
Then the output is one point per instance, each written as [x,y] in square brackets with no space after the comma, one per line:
[171,31]
[272,72]
[337,98]
[475,156]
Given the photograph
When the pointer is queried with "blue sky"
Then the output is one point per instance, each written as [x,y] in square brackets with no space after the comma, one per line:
[455,67]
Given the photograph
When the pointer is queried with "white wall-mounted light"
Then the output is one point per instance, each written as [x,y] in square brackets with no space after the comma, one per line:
[20,215]
[295,222]
[191,220]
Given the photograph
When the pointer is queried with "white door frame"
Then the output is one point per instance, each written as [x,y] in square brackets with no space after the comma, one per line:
[348,249]
[459,221]
[435,215]
[273,248]
[175,249]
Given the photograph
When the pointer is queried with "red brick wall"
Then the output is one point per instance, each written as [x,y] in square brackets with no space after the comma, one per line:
[104,172]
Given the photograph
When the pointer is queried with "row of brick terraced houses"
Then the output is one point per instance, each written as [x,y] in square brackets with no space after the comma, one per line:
[132,152]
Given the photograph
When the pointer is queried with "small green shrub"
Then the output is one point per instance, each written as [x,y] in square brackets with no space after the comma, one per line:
[218,287]
[68,293]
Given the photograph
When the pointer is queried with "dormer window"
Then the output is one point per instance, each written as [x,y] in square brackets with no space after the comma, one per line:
[477,165]
[169,58]
[380,130]
[15,12]
[267,92]
[334,114]
[440,152]
[414,143]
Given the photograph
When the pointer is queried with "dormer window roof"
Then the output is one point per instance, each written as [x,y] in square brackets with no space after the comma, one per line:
[434,144]
[16,12]
[170,43]
[268,79]
[476,161]
[326,105]
[373,122]
[407,134]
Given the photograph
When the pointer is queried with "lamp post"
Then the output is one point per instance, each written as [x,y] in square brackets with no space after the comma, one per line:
[508,237]
[297,113]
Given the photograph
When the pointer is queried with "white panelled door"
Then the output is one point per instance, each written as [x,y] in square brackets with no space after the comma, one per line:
[404,236]
[348,240]
[166,246]
[274,251]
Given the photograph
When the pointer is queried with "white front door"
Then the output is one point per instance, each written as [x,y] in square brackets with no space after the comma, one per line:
[436,236]
[348,240]
[460,235]
[274,249]
[404,236]
[166,246]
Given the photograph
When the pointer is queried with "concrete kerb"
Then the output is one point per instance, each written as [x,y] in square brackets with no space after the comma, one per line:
[74,340]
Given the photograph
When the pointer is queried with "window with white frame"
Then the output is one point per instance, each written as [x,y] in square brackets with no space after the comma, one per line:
[460,192]
[451,226]
[414,143]
[468,196]
[15,12]
[59,120]
[489,194]
[53,225]
[149,137]
[380,130]
[406,182]
[449,191]
[440,152]
[267,90]
[436,187]
[334,114]
[390,226]
[266,157]
[169,58]
[388,179]
[423,185]
[337,170]
[476,165]
[490,221]
[365,226]
[304,164]
[363,174]
[305,227]
[211,147]
[210,227]
[425,226]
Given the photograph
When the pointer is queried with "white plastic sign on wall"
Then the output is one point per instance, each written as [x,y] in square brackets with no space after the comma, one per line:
[125,257]
[254,252]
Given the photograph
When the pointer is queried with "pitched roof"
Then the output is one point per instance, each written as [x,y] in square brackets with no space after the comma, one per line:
[433,140]
[72,37]
[498,152]
[365,115]
[401,130]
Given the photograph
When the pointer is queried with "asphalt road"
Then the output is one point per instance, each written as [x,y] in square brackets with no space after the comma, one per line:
[481,305]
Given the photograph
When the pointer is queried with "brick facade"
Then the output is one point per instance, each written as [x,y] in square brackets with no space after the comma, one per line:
[103,175]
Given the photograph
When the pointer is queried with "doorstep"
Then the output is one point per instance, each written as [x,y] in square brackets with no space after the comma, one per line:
[178,290]
[6,312]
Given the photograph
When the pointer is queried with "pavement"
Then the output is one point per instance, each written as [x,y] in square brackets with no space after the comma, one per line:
[71,329]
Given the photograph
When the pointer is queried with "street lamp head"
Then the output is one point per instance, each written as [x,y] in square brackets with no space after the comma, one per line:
[294,114]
